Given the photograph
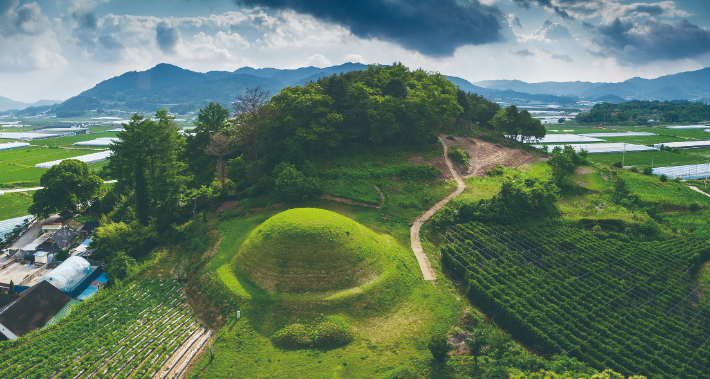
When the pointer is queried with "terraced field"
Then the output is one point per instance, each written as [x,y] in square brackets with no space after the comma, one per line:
[143,331]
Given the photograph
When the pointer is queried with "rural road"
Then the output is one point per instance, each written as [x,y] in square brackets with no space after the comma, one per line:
[39,188]
[32,233]
[696,189]
[424,264]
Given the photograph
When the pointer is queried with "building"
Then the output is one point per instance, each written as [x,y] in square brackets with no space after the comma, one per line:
[68,275]
[51,227]
[87,229]
[31,310]
[59,240]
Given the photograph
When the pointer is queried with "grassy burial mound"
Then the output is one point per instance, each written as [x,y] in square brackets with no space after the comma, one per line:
[317,254]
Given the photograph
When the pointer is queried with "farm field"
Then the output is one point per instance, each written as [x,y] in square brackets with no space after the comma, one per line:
[17,166]
[14,204]
[643,158]
[141,330]
[70,140]
[628,306]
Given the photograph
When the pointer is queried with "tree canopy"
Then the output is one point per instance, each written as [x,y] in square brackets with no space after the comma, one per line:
[66,186]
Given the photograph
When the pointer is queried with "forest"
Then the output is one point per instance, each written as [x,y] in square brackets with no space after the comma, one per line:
[637,111]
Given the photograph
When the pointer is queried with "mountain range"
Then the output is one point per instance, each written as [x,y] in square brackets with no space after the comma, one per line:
[691,85]
[7,103]
[182,90]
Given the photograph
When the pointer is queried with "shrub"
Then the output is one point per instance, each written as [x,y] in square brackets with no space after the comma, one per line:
[597,229]
[647,171]
[663,178]
[675,150]
[439,347]
[694,207]
[634,169]
[457,155]
[291,185]
[616,164]
[324,331]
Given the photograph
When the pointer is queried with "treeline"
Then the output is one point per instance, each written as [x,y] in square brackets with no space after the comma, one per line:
[642,111]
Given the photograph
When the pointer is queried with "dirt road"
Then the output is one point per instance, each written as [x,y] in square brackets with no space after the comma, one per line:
[424,264]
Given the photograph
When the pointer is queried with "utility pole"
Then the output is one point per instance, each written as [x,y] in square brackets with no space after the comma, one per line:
[623,156]
[706,172]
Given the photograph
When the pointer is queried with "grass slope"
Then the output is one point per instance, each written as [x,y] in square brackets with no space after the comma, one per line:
[312,250]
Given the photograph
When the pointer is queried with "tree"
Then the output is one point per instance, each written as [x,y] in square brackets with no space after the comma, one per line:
[11,289]
[211,119]
[119,265]
[220,147]
[439,347]
[251,110]
[291,185]
[66,186]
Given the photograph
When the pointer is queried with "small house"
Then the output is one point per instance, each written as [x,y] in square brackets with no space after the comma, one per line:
[51,227]
[87,229]
[59,240]
[41,257]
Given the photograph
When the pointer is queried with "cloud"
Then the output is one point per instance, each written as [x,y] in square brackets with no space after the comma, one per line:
[167,37]
[354,58]
[545,4]
[110,43]
[565,57]
[522,53]
[318,61]
[608,10]
[27,19]
[513,20]
[431,27]
[549,32]
[651,40]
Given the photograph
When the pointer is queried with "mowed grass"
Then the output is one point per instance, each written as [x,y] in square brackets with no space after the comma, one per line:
[17,166]
[15,204]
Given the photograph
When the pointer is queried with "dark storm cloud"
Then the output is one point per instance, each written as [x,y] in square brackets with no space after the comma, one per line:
[652,40]
[545,4]
[522,53]
[167,37]
[431,27]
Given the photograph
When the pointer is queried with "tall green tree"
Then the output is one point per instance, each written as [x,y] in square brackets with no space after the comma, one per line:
[66,186]
[146,162]
[212,119]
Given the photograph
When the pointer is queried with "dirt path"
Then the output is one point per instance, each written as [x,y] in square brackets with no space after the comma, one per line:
[694,188]
[424,264]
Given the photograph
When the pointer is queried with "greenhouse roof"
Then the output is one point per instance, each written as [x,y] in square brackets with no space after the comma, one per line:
[30,136]
[618,134]
[13,145]
[8,225]
[688,127]
[602,148]
[68,274]
[89,158]
[693,171]
[685,144]
[99,142]
[564,138]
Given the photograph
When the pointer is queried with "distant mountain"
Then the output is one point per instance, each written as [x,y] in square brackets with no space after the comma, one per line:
[7,104]
[691,85]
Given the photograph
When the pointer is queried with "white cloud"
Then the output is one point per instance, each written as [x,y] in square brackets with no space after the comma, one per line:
[354,58]
[318,60]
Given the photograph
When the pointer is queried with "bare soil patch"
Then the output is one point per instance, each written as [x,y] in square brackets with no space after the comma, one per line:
[583,170]
[484,156]
[227,206]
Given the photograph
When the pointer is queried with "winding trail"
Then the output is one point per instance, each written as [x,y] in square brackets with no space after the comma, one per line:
[424,264]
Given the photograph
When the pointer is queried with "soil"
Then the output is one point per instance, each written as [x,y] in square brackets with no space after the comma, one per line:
[227,206]
[583,170]
[484,156]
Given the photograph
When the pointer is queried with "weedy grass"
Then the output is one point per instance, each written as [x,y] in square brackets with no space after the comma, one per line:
[17,167]
[15,204]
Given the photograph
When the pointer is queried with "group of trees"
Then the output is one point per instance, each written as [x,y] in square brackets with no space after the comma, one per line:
[638,111]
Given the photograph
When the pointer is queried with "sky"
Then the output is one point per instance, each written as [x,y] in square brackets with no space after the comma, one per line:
[55,49]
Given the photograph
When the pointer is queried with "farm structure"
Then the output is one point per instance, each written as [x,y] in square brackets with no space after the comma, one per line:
[99,142]
[688,127]
[151,334]
[13,145]
[7,226]
[685,145]
[617,134]
[601,148]
[89,158]
[561,138]
[31,310]
[30,136]
[68,275]
[693,171]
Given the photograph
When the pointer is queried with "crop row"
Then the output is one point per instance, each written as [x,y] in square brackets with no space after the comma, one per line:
[628,306]
[128,333]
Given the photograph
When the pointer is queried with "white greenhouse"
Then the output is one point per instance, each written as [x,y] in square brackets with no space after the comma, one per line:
[29,136]
[563,138]
[13,145]
[89,158]
[602,148]
[688,127]
[68,274]
[618,134]
[685,144]
[99,142]
[6,226]
[693,171]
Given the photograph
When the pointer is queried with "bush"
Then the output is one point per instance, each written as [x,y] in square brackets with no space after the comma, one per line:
[664,178]
[647,171]
[616,164]
[324,331]
[634,169]
[291,185]
[457,155]
[597,229]
[694,207]
[496,171]
[439,347]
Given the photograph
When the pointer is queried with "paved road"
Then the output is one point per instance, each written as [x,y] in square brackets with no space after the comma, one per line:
[424,264]
[696,189]
[31,234]
[39,188]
